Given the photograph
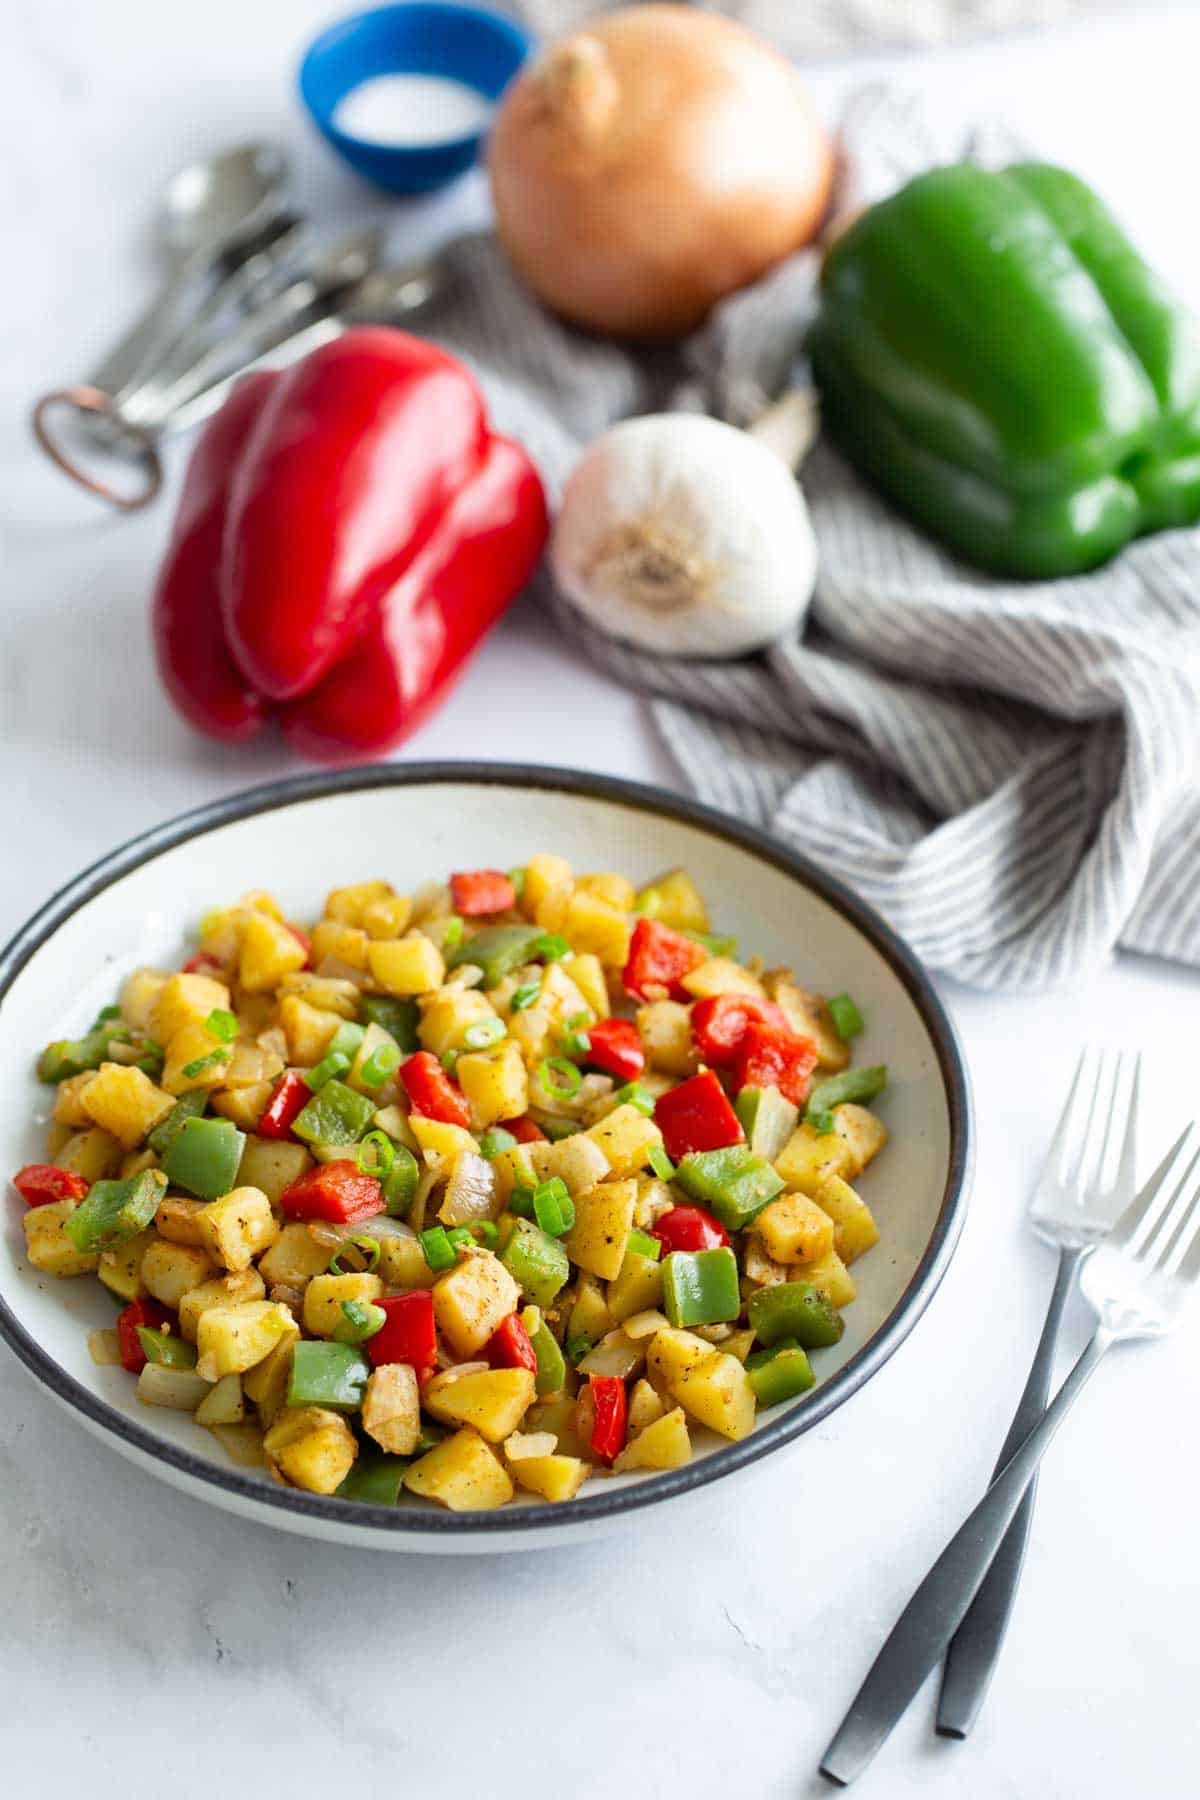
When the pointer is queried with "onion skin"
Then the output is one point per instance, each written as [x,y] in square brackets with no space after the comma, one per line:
[653,163]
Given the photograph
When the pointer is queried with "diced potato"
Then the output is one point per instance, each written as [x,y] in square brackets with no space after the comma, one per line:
[47,1245]
[637,1287]
[402,1261]
[551,912]
[307,1028]
[251,1065]
[761,1270]
[324,1295]
[186,1000]
[542,872]
[345,943]
[266,1384]
[590,1316]
[493,1401]
[470,1300]
[664,1444]
[243,1444]
[854,1227]
[94,1154]
[388,916]
[644,1407]
[394,1120]
[578,1161]
[311,1448]
[587,972]
[494,1082]
[169,1271]
[618,890]
[721,975]
[810,1017]
[646,1324]
[222,1290]
[348,904]
[717,1393]
[603,1220]
[593,924]
[739,1344]
[68,1100]
[295,1257]
[231,1339]
[121,1267]
[671,1354]
[224,1403]
[512,1169]
[439,1142]
[324,993]
[461,1473]
[655,1197]
[407,965]
[246,1105]
[57,1137]
[808,1157]
[375,1038]
[794,1229]
[675,899]
[558,1416]
[268,952]
[272,1166]
[193,1048]
[448,1015]
[553,1477]
[139,993]
[136,1163]
[833,1278]
[235,1228]
[863,1135]
[665,1027]
[391,1409]
[626,1137]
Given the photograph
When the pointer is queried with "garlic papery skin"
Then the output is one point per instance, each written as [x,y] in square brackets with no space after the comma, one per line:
[685,536]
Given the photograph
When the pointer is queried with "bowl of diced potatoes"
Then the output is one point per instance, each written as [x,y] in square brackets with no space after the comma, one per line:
[562,1148]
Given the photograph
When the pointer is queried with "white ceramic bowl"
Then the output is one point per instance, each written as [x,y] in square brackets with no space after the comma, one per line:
[298,838]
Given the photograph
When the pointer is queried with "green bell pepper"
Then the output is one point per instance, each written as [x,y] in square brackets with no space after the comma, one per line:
[325,1374]
[114,1211]
[497,950]
[400,1182]
[204,1157]
[993,353]
[779,1374]
[795,1310]
[551,1367]
[536,1261]
[700,1287]
[334,1115]
[399,1018]
[859,1085]
[375,1479]
[733,1184]
[166,1348]
[188,1106]
[71,1056]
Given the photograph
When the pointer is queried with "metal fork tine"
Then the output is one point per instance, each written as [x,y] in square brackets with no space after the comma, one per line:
[1176,1230]
[1127,1168]
[1061,1139]
[1082,1173]
[1128,1231]
[1095,1177]
[1189,1268]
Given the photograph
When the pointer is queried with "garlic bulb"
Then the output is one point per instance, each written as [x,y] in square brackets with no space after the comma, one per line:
[689,537]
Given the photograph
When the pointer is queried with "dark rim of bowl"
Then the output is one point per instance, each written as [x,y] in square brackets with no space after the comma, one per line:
[651,1491]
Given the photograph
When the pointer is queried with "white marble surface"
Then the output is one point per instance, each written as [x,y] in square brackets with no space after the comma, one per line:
[153,1645]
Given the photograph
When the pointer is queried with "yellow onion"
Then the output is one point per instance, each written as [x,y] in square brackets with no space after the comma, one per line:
[651,164]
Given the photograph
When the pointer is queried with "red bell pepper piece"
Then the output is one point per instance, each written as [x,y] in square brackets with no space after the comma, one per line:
[769,1057]
[696,1115]
[611,1414]
[659,957]
[139,1312]
[39,1184]
[349,531]
[203,964]
[616,1047]
[334,1190]
[409,1334]
[719,1024]
[509,1346]
[689,1228]
[302,938]
[481,891]
[287,1103]
[523,1129]
[431,1091]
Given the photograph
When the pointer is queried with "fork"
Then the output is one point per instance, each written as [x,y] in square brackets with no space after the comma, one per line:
[1137,1281]
[1078,1197]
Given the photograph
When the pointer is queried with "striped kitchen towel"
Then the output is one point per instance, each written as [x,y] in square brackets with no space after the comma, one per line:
[1008,771]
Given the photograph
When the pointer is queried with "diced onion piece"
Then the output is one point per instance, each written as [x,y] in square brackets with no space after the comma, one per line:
[242,1443]
[182,1390]
[104,1347]
[524,1444]
[645,1324]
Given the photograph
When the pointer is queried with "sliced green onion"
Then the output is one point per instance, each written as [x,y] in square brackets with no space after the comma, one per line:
[520,1201]
[483,1033]
[369,1247]
[553,1207]
[105,1014]
[347,1039]
[203,1063]
[494,1141]
[576,1044]
[661,1163]
[221,1024]
[517,877]
[550,1069]
[379,1065]
[551,947]
[152,1061]
[525,996]
[484,1232]
[579,1021]
[848,1022]
[361,1319]
[450,1061]
[460,1236]
[578,1346]
[641,1243]
[454,930]
[376,1154]
[822,1122]
[634,1095]
[336,1063]
[439,1251]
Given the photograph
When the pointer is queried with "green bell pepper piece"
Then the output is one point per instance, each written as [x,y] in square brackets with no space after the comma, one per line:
[375,1479]
[188,1106]
[993,353]
[733,1184]
[795,1310]
[400,1182]
[700,1287]
[399,1018]
[71,1056]
[859,1085]
[767,1119]
[346,1040]
[779,1374]
[114,1211]
[325,1374]
[714,942]
[334,1115]
[497,950]
[551,1366]
[165,1347]
[536,1261]
[204,1157]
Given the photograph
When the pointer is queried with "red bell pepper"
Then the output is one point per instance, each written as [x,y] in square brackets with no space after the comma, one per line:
[139,1312]
[719,1024]
[481,891]
[659,957]
[409,1334]
[286,1103]
[40,1184]
[302,938]
[611,1415]
[769,1057]
[615,1046]
[431,1092]
[509,1346]
[203,964]
[334,1190]
[349,530]
[696,1115]
[523,1129]
[689,1228]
